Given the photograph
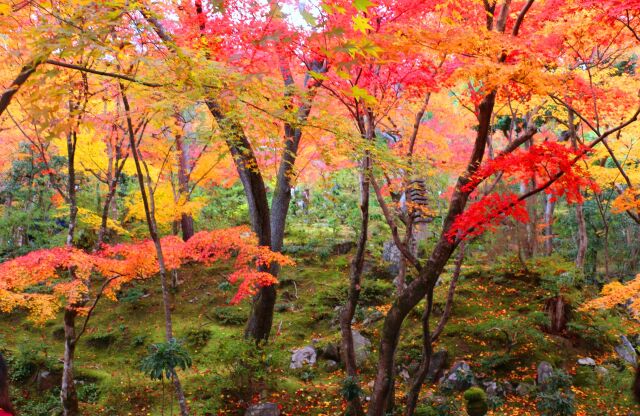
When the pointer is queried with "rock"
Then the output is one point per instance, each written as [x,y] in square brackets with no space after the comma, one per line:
[362,347]
[303,356]
[493,389]
[263,409]
[330,366]
[626,351]
[391,254]
[544,372]
[46,380]
[404,374]
[601,371]
[331,351]
[343,248]
[525,389]
[459,378]
[587,361]
[439,362]
[507,387]
[373,317]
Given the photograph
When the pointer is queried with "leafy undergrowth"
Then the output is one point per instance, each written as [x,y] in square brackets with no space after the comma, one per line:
[497,326]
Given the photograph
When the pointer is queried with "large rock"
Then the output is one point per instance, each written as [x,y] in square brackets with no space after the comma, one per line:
[545,370]
[303,356]
[439,362]
[343,247]
[47,380]
[362,347]
[459,378]
[493,389]
[330,351]
[263,409]
[626,351]
[373,317]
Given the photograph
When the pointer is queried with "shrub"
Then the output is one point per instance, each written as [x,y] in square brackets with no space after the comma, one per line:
[476,400]
[375,292]
[101,340]
[89,393]
[198,337]
[229,315]
[425,410]
[27,361]
[556,397]
[132,295]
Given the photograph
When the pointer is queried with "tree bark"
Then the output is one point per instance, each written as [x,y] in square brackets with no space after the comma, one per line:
[68,394]
[357,267]
[149,210]
[583,239]
[186,220]
[22,77]
[549,208]
[427,278]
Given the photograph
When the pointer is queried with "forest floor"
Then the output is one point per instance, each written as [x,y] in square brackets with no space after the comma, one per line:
[497,326]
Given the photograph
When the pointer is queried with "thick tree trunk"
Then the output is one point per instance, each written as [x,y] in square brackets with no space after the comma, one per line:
[68,394]
[557,310]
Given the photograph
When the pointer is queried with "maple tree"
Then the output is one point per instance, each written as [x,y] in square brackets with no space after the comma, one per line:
[513,105]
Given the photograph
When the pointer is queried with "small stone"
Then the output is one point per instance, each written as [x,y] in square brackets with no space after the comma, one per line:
[330,366]
[601,371]
[362,347]
[587,361]
[263,409]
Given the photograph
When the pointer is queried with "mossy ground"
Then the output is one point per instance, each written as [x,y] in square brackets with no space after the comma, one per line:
[496,326]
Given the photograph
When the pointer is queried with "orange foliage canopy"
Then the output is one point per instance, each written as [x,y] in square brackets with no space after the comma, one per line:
[46,280]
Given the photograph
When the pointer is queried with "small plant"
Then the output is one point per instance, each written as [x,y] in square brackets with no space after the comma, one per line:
[164,358]
[425,410]
[198,337]
[476,401]
[139,340]
[133,295]
[101,340]
[229,315]
[307,375]
[350,389]
[555,397]
[89,393]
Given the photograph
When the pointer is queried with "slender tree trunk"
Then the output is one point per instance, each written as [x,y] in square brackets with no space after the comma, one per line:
[583,240]
[549,208]
[153,232]
[68,394]
[357,266]
[186,220]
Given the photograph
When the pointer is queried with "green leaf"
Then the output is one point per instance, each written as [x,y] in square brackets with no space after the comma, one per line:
[362,5]
[361,93]
[309,18]
[361,24]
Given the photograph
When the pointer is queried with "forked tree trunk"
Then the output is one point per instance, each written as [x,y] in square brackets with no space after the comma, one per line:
[426,280]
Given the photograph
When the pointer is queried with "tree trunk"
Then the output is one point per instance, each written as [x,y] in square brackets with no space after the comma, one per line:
[558,311]
[357,266]
[427,350]
[429,274]
[149,208]
[68,394]
[549,208]
[186,220]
